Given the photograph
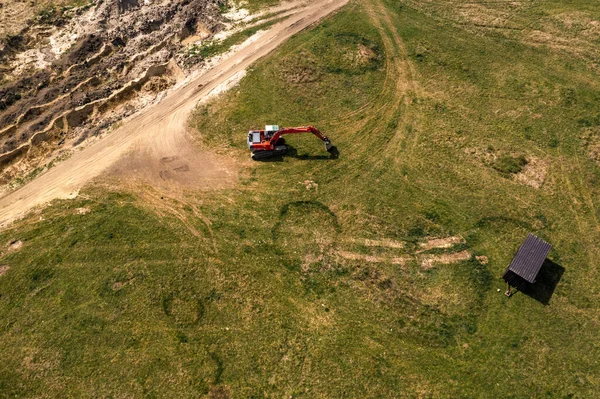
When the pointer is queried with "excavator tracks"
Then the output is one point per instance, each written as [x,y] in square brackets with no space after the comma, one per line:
[279,150]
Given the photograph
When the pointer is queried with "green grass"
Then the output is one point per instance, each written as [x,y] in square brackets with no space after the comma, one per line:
[53,14]
[127,301]
[216,47]
[509,164]
[256,5]
[251,5]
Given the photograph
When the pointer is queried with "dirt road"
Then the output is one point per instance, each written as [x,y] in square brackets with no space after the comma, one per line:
[159,131]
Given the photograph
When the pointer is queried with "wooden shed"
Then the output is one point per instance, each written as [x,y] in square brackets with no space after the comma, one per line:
[525,266]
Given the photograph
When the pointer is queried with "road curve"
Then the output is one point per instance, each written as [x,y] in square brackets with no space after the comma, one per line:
[160,121]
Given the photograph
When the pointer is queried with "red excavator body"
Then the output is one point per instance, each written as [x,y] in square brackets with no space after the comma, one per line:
[269,142]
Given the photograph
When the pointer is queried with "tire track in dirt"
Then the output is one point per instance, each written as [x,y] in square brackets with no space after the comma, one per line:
[163,123]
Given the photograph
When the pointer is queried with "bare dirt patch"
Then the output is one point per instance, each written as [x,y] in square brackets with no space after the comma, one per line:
[14,245]
[373,259]
[175,164]
[4,269]
[447,242]
[482,259]
[591,141]
[429,261]
[533,173]
[382,243]
[310,185]
[361,57]
[387,243]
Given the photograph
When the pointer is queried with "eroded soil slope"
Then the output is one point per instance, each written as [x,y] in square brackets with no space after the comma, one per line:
[67,77]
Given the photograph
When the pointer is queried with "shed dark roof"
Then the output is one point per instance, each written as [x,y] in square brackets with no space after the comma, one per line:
[529,259]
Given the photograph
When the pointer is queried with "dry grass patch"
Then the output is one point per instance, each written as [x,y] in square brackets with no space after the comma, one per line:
[301,68]
[479,14]
[397,260]
[14,14]
[533,173]
[447,242]
[591,142]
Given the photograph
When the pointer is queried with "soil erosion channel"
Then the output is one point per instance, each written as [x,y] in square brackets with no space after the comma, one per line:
[159,131]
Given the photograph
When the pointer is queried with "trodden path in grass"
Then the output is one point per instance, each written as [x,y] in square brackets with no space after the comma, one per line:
[159,133]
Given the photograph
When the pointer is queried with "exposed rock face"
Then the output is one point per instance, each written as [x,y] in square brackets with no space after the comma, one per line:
[125,5]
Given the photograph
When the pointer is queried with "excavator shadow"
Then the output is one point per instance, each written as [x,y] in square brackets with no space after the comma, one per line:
[274,158]
[334,153]
[293,153]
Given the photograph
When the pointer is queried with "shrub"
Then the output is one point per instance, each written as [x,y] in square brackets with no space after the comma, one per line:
[509,164]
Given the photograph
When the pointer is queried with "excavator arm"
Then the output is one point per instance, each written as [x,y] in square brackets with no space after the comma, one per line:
[268,142]
[300,130]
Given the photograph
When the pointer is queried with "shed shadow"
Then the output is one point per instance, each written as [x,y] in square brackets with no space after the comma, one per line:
[546,282]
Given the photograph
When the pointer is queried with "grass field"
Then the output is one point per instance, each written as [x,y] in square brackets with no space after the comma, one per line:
[312,277]
[16,14]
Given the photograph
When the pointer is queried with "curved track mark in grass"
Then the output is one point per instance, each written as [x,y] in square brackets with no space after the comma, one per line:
[208,225]
[184,313]
[158,202]
[399,81]
[492,221]
[306,234]
[387,88]
[405,69]
[316,205]
[220,368]
[585,189]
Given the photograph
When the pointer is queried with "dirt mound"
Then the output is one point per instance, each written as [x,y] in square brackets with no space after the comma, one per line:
[14,245]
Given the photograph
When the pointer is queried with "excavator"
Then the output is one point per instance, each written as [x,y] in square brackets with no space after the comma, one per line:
[269,142]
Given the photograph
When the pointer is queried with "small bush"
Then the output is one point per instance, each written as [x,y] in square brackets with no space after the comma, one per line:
[52,16]
[508,164]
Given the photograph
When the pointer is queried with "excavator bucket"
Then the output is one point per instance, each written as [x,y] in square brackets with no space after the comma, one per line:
[328,146]
[332,150]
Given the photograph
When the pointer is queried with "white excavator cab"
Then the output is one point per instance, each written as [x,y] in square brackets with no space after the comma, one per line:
[253,138]
[270,130]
